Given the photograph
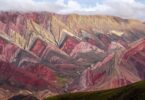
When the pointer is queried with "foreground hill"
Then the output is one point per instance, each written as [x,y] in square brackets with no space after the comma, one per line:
[131,92]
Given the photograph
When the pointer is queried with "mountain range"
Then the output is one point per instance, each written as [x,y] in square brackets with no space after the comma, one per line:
[46,54]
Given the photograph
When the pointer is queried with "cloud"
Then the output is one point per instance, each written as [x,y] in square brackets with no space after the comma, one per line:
[71,6]
[29,5]
[122,8]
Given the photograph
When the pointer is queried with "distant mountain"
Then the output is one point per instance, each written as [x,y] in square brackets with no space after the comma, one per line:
[48,54]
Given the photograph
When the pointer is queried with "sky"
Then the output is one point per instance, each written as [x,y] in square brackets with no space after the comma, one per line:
[134,9]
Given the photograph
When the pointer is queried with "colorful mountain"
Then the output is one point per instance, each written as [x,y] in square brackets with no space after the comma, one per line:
[47,54]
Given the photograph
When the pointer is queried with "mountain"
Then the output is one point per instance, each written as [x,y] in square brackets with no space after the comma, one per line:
[47,54]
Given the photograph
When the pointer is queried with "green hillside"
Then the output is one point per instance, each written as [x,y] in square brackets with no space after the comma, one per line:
[131,92]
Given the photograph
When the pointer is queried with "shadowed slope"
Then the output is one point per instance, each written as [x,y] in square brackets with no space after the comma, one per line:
[131,92]
[22,97]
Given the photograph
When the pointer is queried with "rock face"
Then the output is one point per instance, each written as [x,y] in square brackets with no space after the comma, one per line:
[49,54]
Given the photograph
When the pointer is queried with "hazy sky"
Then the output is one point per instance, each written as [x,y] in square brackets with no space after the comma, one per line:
[122,8]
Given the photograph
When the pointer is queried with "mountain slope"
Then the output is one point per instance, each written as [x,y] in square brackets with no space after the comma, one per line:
[47,53]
